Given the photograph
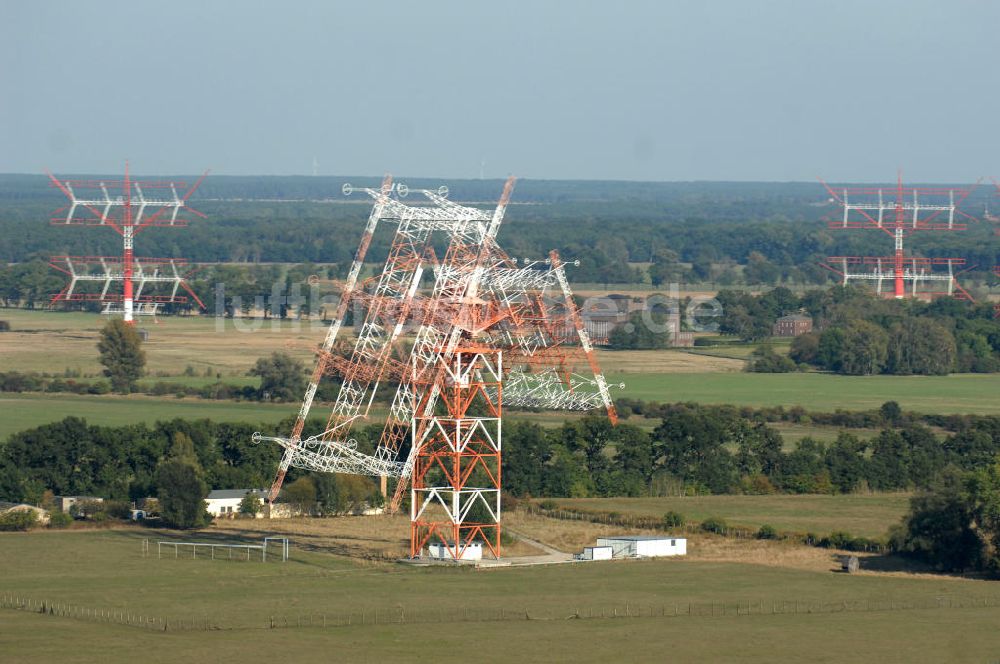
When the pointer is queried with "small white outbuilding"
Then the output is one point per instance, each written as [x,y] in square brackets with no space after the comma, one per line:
[637,546]
[439,551]
[597,553]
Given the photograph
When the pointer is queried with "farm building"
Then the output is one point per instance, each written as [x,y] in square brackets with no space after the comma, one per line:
[635,546]
[472,551]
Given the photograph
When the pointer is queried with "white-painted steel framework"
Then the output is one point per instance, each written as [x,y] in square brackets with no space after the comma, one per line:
[478,292]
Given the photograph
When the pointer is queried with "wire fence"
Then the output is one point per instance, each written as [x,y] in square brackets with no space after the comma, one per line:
[399,615]
[734,532]
[87,614]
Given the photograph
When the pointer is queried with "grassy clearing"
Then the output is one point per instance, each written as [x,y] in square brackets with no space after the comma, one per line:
[792,432]
[942,635]
[865,515]
[23,411]
[104,569]
[27,410]
[666,362]
[52,341]
[958,393]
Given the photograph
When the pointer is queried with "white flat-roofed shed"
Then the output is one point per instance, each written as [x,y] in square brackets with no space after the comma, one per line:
[638,546]
[471,551]
[597,553]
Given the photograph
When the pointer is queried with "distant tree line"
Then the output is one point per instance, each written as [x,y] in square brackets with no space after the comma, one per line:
[728,233]
[702,450]
[860,334]
[694,449]
[176,461]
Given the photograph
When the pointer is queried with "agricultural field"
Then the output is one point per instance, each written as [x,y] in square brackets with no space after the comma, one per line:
[866,515]
[105,571]
[52,342]
[195,351]
[957,393]
[26,410]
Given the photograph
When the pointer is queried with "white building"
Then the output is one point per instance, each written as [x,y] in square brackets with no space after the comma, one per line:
[637,546]
[597,553]
[226,502]
[64,503]
[472,551]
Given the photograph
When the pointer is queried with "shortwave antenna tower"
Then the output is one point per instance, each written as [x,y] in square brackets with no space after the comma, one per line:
[128,207]
[489,331]
[900,212]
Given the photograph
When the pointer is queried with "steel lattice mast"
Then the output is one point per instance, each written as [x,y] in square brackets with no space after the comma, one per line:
[483,304]
[899,213]
[91,203]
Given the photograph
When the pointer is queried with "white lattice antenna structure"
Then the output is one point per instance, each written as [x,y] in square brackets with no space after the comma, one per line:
[168,276]
[479,295]
[134,209]
[900,212]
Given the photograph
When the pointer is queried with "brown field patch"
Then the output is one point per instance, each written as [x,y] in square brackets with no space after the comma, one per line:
[382,537]
[665,362]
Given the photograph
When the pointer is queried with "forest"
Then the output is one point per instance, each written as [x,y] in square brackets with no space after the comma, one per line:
[621,232]
[693,450]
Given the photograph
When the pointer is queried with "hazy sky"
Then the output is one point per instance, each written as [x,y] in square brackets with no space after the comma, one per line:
[657,90]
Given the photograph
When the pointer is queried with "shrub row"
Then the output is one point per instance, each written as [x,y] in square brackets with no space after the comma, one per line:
[674,521]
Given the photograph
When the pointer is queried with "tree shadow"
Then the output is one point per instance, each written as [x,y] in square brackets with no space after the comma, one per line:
[892,563]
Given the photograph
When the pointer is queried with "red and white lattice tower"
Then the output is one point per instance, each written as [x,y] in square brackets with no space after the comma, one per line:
[491,331]
[128,207]
[899,212]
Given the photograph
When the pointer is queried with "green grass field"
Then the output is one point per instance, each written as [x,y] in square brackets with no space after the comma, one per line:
[105,570]
[958,393]
[942,635]
[54,341]
[27,410]
[23,411]
[865,515]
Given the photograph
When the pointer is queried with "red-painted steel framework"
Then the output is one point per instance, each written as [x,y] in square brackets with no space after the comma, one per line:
[126,214]
[912,209]
[450,383]
[456,475]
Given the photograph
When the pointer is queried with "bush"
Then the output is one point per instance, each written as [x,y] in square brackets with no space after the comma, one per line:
[765,360]
[18,520]
[673,520]
[714,524]
[548,504]
[58,519]
[118,509]
[767,532]
[99,387]
[838,539]
[4,326]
